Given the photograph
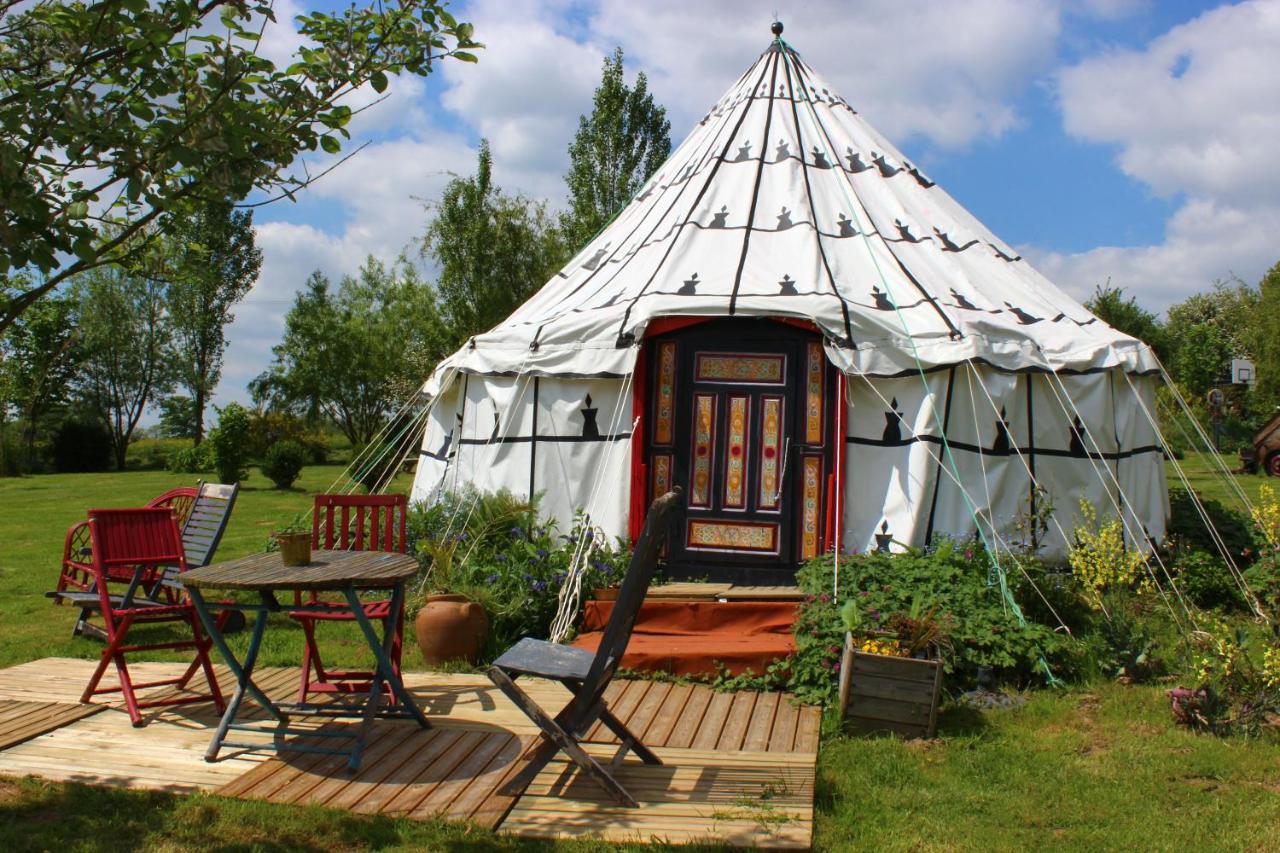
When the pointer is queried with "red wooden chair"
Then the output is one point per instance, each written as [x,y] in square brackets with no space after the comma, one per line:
[77,569]
[141,542]
[351,523]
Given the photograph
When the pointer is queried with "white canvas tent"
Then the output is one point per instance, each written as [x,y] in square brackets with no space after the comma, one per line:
[956,377]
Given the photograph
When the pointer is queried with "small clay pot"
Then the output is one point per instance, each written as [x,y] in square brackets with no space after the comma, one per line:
[606,593]
[450,627]
[295,548]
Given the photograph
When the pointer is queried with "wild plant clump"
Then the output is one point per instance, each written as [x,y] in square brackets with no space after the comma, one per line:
[495,549]
[1101,559]
[1237,676]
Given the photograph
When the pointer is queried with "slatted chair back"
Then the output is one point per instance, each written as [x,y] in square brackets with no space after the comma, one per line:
[135,537]
[179,500]
[644,561]
[206,521]
[359,522]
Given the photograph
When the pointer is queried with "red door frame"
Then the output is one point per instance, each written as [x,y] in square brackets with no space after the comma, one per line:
[640,496]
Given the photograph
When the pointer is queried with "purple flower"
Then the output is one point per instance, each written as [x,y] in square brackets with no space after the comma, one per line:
[866,593]
[493,578]
[539,586]
[826,599]
[542,553]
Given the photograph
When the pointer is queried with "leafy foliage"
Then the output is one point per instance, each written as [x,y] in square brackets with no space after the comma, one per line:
[342,353]
[623,142]
[230,443]
[493,548]
[494,251]
[196,459]
[213,264]
[1204,579]
[1126,315]
[124,112]
[1188,530]
[1101,559]
[283,463]
[124,337]
[81,445]
[953,578]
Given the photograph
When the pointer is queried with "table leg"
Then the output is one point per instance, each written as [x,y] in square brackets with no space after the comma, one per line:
[384,670]
[243,673]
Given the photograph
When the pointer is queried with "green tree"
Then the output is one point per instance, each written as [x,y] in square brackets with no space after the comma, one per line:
[125,111]
[342,356]
[38,360]
[493,251]
[1264,342]
[125,339]
[616,149]
[230,443]
[177,417]
[1206,330]
[1126,315]
[215,264]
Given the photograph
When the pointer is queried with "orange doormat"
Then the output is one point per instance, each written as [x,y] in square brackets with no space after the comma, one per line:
[696,637]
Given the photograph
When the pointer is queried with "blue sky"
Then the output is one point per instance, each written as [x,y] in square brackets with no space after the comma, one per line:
[1124,139]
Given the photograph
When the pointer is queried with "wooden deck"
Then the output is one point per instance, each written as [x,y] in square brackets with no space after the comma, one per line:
[738,767]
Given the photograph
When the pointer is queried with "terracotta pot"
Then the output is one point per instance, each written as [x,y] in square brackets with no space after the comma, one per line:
[295,548]
[606,593]
[450,627]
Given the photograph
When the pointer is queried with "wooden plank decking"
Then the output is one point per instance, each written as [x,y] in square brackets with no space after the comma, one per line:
[21,721]
[738,768]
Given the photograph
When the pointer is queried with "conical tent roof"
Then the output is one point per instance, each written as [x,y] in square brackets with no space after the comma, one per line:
[785,202]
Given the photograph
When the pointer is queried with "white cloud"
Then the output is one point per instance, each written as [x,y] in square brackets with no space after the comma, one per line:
[380,192]
[1195,115]
[912,67]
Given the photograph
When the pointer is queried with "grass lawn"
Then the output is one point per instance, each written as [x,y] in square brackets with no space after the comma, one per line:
[35,513]
[1098,770]
[1080,769]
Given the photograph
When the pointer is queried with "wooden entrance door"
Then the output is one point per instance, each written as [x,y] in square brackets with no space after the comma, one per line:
[740,419]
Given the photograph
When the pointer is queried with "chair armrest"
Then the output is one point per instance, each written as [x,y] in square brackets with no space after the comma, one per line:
[77,545]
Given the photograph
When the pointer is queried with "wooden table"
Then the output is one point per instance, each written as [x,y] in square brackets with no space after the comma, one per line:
[346,572]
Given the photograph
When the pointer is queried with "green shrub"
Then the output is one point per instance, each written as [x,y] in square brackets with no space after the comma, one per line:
[954,578]
[1263,577]
[283,462]
[1205,580]
[13,455]
[266,429]
[197,459]
[229,442]
[80,446]
[1187,529]
[494,549]
[153,454]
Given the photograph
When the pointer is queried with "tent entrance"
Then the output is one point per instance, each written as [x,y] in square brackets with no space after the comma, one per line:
[741,417]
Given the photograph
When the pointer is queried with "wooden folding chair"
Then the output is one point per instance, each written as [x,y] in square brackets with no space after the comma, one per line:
[142,542]
[202,514]
[351,523]
[587,675]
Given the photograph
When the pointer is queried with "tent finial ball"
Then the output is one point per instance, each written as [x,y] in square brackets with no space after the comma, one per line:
[776,28]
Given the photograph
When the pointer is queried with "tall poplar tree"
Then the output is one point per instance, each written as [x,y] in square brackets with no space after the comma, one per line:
[215,263]
[617,148]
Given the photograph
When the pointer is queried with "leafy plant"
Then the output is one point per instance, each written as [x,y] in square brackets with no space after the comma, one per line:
[952,577]
[495,549]
[284,462]
[1187,530]
[300,523]
[1205,580]
[229,442]
[191,460]
[1100,558]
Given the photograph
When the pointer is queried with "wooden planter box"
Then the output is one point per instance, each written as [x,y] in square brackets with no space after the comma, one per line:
[882,693]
